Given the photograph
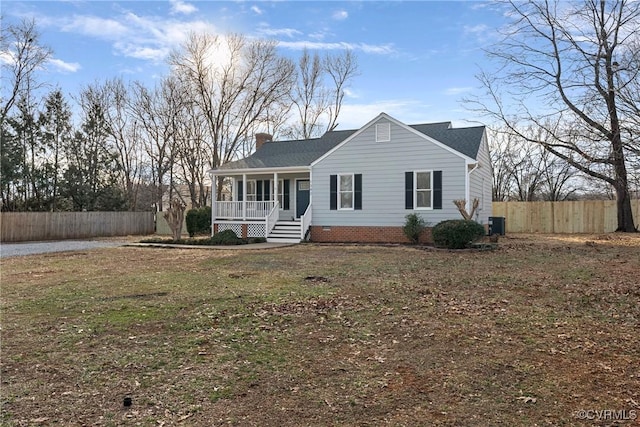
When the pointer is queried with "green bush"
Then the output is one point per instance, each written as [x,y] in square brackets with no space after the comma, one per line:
[226,237]
[414,226]
[456,233]
[198,221]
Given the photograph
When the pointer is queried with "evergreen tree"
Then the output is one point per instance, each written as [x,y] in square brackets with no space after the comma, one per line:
[55,133]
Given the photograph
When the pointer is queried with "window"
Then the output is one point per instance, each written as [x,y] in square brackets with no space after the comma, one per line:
[423,190]
[251,190]
[280,195]
[283,193]
[383,132]
[345,191]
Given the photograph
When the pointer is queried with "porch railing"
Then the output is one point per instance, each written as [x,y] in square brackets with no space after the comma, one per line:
[234,210]
[272,218]
[305,222]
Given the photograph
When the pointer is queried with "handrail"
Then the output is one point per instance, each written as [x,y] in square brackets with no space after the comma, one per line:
[234,209]
[305,222]
[272,218]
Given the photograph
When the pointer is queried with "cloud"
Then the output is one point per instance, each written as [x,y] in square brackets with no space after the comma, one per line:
[340,15]
[385,49]
[410,111]
[179,6]
[65,67]
[96,27]
[255,9]
[147,38]
[265,30]
[318,35]
[142,52]
[476,29]
[6,58]
[452,91]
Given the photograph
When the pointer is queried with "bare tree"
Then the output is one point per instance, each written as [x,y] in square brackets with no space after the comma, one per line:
[192,153]
[525,171]
[156,111]
[517,167]
[558,181]
[319,92]
[500,150]
[21,55]
[561,72]
[122,131]
[235,82]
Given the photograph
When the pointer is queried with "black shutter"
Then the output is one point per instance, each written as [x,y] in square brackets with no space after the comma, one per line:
[333,192]
[408,190]
[267,190]
[357,196]
[239,191]
[259,191]
[285,194]
[437,189]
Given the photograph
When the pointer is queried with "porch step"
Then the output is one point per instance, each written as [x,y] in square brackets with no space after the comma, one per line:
[285,232]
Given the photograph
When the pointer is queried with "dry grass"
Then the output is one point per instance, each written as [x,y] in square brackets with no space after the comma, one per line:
[320,335]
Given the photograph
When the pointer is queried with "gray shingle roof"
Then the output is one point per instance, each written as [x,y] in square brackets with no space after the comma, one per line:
[276,154]
[463,140]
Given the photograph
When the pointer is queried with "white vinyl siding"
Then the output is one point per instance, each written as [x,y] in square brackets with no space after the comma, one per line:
[383,167]
[480,181]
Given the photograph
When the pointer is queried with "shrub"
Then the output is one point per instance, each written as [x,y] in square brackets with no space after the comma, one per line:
[226,237]
[414,225]
[456,233]
[199,221]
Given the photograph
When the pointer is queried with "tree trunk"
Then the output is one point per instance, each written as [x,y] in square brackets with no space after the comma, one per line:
[623,197]
[625,213]
[175,218]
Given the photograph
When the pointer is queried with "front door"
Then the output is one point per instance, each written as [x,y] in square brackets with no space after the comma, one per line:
[302,196]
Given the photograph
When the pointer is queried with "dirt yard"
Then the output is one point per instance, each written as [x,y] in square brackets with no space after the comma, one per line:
[543,331]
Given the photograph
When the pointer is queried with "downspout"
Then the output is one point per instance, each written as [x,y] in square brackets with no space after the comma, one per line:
[468,187]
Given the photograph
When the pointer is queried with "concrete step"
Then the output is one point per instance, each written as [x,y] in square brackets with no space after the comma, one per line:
[287,228]
[288,223]
[285,232]
[275,233]
[271,239]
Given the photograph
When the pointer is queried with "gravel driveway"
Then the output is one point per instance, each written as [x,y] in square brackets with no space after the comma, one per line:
[31,248]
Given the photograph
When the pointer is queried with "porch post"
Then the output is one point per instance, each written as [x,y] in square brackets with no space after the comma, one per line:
[214,197]
[275,187]
[244,196]
[311,189]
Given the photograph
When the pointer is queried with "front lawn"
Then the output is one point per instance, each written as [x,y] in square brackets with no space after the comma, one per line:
[541,331]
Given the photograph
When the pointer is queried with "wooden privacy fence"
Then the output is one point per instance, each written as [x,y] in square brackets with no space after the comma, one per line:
[585,216]
[26,226]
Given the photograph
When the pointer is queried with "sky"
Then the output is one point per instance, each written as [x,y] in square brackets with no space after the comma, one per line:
[416,59]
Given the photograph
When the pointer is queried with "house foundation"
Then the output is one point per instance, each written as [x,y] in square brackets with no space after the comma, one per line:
[363,234]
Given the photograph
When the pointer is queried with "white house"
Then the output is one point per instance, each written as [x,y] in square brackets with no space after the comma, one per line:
[356,185]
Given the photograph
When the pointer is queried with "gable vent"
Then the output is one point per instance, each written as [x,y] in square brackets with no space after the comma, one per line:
[383,132]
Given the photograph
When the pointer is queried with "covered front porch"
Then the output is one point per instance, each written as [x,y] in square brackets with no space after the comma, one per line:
[275,205]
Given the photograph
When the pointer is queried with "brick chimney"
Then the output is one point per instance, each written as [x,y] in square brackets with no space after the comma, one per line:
[262,138]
